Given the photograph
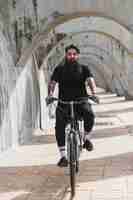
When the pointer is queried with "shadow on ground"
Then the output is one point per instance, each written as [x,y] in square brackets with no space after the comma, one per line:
[50,182]
[100,133]
[42,139]
[47,182]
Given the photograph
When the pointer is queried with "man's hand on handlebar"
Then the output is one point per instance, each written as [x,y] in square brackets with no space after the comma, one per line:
[96,99]
[49,100]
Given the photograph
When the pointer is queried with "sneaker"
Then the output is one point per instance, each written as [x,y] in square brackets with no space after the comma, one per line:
[88,145]
[63,162]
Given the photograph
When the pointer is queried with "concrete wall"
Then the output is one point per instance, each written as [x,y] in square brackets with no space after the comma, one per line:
[25,19]
[19,99]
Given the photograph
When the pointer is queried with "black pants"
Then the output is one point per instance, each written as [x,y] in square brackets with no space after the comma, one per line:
[83,110]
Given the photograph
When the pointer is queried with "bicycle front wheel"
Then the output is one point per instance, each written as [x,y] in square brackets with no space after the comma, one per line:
[72,165]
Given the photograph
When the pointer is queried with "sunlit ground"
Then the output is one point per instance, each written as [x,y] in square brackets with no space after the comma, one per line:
[34,155]
[12,195]
[105,173]
[109,189]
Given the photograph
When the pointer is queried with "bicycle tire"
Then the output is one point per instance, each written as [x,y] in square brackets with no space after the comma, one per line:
[78,150]
[72,165]
[77,166]
[77,154]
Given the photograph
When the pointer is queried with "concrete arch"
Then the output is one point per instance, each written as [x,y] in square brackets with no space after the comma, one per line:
[101,81]
[102,33]
[116,67]
[105,53]
[108,70]
[37,40]
[110,63]
[97,32]
[128,53]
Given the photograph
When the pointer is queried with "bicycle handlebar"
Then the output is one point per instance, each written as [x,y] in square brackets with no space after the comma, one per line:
[78,101]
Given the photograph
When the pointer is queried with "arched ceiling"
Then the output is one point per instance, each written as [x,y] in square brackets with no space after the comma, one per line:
[101,45]
[99,24]
[37,40]
[52,9]
[102,79]
[109,64]
[113,8]
[61,11]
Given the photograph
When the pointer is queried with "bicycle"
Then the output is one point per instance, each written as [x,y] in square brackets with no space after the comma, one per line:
[74,138]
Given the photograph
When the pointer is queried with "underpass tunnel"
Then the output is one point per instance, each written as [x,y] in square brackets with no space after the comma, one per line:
[112,41]
[111,56]
[103,30]
[102,52]
[108,58]
[108,55]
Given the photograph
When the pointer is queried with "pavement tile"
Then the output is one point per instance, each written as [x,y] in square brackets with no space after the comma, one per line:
[30,172]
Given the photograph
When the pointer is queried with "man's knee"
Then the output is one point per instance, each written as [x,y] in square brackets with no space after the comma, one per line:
[89,114]
[89,120]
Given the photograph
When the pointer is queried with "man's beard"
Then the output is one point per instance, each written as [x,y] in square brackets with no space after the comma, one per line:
[71,61]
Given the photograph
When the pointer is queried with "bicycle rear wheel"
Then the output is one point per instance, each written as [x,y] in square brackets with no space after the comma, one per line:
[72,165]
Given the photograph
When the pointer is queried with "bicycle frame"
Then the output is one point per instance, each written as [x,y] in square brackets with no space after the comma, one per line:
[72,149]
[74,130]
[73,146]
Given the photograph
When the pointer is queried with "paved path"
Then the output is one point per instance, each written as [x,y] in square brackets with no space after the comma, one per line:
[30,172]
